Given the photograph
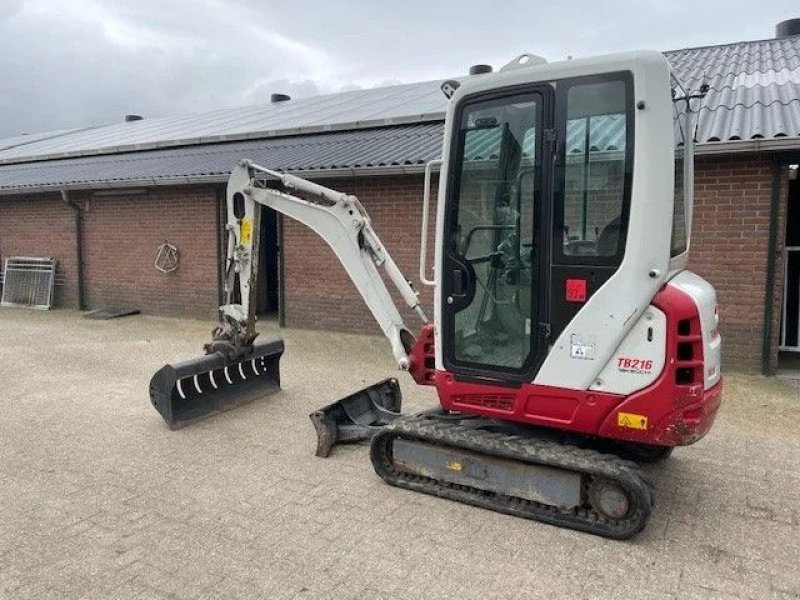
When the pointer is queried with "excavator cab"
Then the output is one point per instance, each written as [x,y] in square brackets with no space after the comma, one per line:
[538,205]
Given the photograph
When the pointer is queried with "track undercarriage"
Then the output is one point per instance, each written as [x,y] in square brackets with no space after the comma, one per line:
[519,470]
[483,463]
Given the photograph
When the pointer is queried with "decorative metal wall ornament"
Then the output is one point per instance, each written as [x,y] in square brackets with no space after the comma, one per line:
[168,258]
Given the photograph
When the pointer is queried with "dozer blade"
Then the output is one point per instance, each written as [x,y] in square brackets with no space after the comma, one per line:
[358,416]
[187,391]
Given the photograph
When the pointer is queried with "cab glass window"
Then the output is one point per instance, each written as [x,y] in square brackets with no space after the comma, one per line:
[595,172]
[679,234]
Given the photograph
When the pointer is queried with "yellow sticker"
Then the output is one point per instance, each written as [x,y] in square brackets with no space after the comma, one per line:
[247,231]
[631,421]
[454,466]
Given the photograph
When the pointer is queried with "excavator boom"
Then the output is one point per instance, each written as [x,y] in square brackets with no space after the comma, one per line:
[237,368]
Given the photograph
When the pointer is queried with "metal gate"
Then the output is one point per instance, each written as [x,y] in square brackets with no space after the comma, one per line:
[28,282]
[790,303]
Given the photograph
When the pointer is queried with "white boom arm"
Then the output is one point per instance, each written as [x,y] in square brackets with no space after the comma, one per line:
[337,218]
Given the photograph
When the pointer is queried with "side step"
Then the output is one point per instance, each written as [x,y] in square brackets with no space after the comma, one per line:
[195,389]
[525,476]
[358,416]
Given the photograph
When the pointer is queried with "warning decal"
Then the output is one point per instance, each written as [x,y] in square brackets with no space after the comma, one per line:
[247,231]
[631,421]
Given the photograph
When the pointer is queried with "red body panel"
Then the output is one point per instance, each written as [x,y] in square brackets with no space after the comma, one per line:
[574,410]
[422,358]
[675,409]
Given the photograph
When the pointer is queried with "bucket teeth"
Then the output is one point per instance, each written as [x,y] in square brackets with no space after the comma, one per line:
[199,388]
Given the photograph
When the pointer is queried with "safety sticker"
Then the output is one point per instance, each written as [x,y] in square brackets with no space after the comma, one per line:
[580,349]
[631,421]
[247,231]
[454,466]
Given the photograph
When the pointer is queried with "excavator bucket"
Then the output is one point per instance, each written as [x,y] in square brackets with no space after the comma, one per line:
[358,416]
[187,391]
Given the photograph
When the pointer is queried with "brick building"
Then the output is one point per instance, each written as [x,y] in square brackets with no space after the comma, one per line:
[124,189]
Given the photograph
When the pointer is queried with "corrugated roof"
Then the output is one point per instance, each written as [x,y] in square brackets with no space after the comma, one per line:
[754,88]
[416,144]
[358,109]
[754,93]
[28,138]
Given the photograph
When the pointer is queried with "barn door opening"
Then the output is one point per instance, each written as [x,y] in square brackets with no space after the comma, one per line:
[790,302]
[268,297]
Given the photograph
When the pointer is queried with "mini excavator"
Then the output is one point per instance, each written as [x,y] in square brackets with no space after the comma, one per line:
[568,338]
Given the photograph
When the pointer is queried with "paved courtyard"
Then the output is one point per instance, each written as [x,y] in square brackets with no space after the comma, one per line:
[98,499]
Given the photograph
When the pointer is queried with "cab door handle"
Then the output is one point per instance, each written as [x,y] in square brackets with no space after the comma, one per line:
[458,282]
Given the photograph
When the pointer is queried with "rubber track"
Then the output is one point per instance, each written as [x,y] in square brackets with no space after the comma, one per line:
[423,428]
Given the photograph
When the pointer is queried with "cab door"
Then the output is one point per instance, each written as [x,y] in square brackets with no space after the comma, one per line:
[496,245]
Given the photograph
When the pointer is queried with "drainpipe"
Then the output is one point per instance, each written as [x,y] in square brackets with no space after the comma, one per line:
[281,276]
[766,349]
[78,245]
[221,251]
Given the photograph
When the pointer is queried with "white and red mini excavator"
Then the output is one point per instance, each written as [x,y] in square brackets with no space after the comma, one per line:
[568,336]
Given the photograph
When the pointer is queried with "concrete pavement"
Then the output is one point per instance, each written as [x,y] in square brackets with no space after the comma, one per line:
[98,499]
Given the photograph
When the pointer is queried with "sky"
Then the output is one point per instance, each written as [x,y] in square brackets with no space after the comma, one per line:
[75,63]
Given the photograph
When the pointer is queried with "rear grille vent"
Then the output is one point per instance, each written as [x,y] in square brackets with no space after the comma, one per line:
[684,327]
[685,351]
[500,402]
[688,369]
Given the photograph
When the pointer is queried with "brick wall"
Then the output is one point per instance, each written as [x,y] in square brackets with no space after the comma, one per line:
[121,238]
[318,291]
[42,225]
[729,248]
[730,245]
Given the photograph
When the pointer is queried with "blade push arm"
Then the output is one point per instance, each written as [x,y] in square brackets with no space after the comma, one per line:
[337,218]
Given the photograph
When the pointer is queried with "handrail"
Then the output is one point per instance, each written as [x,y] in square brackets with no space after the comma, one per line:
[426,198]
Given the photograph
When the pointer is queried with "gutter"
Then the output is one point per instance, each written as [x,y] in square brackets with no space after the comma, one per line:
[738,146]
[78,246]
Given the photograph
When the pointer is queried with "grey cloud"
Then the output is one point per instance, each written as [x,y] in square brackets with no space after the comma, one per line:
[82,62]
